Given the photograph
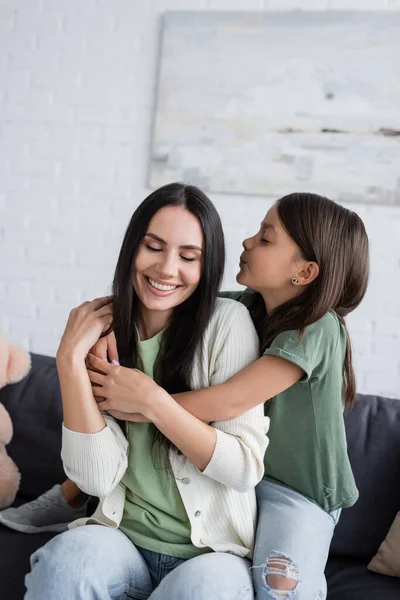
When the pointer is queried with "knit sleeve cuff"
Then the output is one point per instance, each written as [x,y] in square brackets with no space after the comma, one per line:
[96,462]
[233,463]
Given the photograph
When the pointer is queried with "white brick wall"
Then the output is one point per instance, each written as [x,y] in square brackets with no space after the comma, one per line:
[77,90]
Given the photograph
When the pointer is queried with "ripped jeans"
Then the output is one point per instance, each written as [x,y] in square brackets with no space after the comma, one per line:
[292,545]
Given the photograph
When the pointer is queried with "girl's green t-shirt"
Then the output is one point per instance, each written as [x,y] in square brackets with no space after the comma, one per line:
[308,449]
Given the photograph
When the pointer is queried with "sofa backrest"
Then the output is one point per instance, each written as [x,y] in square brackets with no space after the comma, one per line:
[373,437]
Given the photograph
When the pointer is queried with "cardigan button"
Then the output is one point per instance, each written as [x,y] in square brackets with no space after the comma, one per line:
[197,513]
[186,480]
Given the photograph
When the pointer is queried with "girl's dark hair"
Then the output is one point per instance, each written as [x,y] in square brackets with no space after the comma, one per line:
[335,238]
[189,321]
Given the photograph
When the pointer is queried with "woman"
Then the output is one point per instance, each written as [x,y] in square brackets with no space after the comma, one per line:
[177,494]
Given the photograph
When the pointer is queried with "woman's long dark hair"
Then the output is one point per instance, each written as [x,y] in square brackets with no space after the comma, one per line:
[184,335]
[335,238]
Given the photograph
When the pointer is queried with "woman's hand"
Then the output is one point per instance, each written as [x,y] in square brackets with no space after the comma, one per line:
[84,327]
[124,390]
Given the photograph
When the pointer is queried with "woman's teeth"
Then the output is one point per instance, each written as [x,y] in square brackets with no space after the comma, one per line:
[159,286]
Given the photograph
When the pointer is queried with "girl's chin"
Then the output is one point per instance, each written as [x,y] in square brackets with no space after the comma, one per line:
[240,278]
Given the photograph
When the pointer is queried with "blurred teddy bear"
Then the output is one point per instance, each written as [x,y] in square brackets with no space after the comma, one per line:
[15,363]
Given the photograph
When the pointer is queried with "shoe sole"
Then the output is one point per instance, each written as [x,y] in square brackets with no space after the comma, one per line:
[59,528]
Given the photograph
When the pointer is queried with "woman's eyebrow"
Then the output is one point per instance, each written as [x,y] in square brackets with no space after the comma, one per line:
[184,247]
[191,247]
[156,237]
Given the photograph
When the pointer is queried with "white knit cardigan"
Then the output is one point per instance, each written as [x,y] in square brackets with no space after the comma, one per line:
[220,501]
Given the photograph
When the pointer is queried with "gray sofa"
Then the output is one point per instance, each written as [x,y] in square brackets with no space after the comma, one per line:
[373,432]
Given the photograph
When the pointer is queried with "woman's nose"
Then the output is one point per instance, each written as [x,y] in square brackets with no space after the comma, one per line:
[168,267]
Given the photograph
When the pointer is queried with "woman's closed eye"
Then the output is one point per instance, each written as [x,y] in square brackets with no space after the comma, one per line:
[189,258]
[183,257]
[264,241]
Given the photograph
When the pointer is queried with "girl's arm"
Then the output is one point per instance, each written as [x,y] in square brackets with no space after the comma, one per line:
[260,381]
[265,378]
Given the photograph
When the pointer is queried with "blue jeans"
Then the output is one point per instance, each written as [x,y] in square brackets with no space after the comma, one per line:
[292,544]
[97,563]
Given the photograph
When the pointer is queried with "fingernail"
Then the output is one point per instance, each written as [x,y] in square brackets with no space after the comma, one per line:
[115,362]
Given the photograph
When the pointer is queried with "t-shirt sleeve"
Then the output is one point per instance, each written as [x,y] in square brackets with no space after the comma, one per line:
[314,352]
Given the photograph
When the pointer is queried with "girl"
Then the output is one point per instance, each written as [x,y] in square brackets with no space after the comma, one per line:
[305,270]
[181,522]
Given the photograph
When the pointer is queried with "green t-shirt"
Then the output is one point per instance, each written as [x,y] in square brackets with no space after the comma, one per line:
[308,448]
[154,515]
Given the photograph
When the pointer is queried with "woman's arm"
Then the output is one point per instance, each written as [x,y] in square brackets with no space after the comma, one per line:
[195,439]
[80,410]
[235,450]
[231,452]
[84,327]
[260,381]
[93,447]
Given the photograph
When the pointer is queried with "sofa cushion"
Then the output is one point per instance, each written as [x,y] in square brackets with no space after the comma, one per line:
[387,560]
[373,435]
[349,579]
[35,408]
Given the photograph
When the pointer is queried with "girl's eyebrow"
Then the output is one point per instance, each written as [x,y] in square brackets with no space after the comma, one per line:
[185,247]
[267,226]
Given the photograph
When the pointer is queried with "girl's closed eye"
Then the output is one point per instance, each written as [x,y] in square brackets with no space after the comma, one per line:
[264,241]
[152,248]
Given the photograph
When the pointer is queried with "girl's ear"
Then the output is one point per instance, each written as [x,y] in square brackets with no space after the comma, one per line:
[307,273]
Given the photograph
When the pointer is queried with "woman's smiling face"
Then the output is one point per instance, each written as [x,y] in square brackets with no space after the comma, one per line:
[169,263]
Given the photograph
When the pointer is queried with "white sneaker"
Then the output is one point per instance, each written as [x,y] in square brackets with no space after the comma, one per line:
[49,512]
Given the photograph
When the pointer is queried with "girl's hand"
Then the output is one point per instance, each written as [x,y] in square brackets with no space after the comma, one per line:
[84,327]
[106,348]
[125,390]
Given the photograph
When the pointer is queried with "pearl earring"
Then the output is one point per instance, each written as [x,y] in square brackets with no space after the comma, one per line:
[294,280]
